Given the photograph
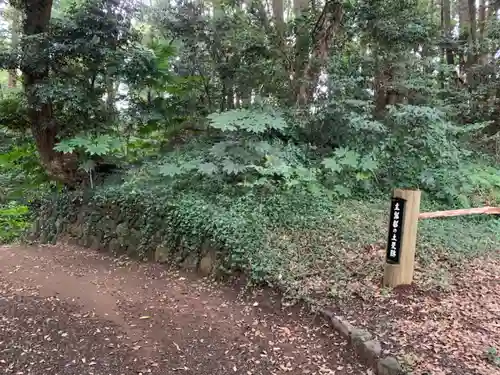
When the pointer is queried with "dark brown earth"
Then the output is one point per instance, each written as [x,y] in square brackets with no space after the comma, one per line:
[65,310]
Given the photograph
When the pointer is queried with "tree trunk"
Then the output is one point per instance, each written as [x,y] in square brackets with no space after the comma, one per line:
[446,26]
[110,84]
[312,51]
[467,35]
[16,18]
[278,15]
[58,166]
[472,40]
[302,47]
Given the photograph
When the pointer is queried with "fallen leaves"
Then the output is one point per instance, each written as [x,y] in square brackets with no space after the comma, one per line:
[196,327]
[441,333]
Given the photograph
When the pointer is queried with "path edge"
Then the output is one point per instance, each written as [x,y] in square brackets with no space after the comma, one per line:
[367,348]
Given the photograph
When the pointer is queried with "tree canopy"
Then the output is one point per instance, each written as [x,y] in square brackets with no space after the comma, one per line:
[350,95]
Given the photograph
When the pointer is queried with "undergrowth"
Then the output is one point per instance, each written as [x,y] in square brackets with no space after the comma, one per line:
[305,241]
[14,220]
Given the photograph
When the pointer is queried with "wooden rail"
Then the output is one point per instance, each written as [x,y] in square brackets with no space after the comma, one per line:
[402,237]
[461,212]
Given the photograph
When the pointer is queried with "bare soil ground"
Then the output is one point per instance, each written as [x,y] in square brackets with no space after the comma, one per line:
[66,310]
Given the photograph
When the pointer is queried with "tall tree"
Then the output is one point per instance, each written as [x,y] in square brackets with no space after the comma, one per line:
[15,19]
[37,14]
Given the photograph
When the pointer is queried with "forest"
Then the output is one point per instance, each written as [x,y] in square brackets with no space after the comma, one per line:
[274,130]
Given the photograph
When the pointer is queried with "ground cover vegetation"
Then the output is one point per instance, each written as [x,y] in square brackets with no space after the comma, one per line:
[274,131]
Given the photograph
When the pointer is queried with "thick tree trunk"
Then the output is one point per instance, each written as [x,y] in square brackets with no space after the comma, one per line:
[43,125]
[467,35]
[472,40]
[278,15]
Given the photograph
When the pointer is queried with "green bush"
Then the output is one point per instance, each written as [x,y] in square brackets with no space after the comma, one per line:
[281,235]
[14,220]
[14,111]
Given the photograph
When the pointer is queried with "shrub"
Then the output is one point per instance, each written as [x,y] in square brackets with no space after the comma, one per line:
[14,220]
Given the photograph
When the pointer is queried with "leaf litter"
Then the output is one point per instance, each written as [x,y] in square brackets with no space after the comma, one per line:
[108,317]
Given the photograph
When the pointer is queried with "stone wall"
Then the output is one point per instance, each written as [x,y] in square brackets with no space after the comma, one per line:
[112,227]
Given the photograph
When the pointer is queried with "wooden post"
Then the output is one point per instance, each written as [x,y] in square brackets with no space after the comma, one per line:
[402,238]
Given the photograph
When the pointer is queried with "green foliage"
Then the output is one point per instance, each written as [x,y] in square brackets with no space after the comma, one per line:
[257,122]
[13,111]
[348,169]
[89,147]
[248,154]
[13,221]
[279,237]
[271,142]
[469,185]
[493,356]
[99,145]
[21,175]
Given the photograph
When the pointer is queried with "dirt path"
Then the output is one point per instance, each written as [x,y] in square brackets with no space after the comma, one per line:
[65,310]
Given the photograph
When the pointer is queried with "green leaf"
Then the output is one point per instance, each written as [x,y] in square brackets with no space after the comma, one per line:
[368,163]
[65,147]
[219,149]
[350,158]
[362,176]
[88,165]
[97,149]
[332,165]
[230,167]
[80,141]
[342,191]
[253,121]
[169,170]
[208,168]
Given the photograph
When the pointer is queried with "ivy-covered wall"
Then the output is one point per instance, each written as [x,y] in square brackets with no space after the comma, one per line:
[212,230]
[142,225]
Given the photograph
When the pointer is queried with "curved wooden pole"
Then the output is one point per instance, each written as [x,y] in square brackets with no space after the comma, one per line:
[461,212]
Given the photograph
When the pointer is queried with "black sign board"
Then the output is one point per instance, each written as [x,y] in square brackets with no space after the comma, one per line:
[395,230]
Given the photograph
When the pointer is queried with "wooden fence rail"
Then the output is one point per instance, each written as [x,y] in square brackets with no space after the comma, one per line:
[402,237]
[461,212]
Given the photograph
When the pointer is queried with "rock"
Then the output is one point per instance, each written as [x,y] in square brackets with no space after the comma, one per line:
[34,231]
[75,230]
[369,351]
[162,254]
[190,262]
[95,243]
[87,241]
[80,219]
[81,241]
[132,242]
[59,224]
[366,348]
[43,237]
[122,230]
[96,240]
[207,262]
[107,226]
[342,326]
[114,246]
[389,366]
[53,239]
[360,336]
